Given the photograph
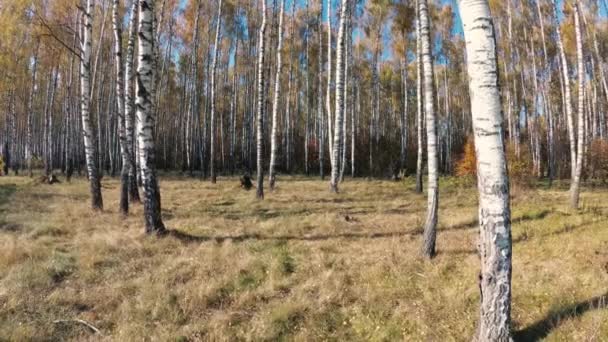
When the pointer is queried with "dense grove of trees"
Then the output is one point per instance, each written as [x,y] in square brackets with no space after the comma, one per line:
[382,88]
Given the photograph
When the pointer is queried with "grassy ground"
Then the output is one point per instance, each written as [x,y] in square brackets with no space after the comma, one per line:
[301,265]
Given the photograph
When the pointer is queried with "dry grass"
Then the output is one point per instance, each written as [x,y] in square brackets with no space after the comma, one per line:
[302,265]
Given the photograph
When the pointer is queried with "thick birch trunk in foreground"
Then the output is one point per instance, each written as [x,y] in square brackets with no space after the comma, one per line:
[145,117]
[430,226]
[340,83]
[580,147]
[129,105]
[88,126]
[120,111]
[213,69]
[492,179]
[274,146]
[260,106]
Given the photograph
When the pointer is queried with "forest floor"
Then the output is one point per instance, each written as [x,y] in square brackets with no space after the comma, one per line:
[303,264]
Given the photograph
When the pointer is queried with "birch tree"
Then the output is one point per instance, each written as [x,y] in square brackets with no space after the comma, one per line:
[29,153]
[145,118]
[260,106]
[430,225]
[580,144]
[419,107]
[492,180]
[213,71]
[88,124]
[129,104]
[274,146]
[120,110]
[567,94]
[338,143]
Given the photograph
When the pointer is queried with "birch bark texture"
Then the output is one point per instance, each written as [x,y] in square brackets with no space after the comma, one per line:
[274,146]
[129,104]
[29,153]
[567,93]
[430,225]
[419,107]
[580,144]
[493,183]
[213,71]
[259,193]
[120,110]
[145,118]
[338,136]
[88,125]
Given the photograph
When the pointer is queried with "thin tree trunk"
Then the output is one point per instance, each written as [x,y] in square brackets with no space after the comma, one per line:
[120,111]
[430,226]
[338,143]
[129,104]
[260,106]
[29,147]
[575,186]
[274,146]
[88,125]
[568,96]
[419,107]
[213,69]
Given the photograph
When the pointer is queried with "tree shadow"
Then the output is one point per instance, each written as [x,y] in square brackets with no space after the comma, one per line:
[189,238]
[567,228]
[552,320]
[6,194]
[474,223]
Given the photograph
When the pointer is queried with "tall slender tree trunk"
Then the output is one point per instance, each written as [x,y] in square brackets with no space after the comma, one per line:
[213,69]
[88,125]
[575,186]
[567,93]
[330,130]
[274,146]
[120,110]
[29,146]
[129,105]
[338,143]
[430,226]
[403,117]
[145,117]
[260,106]
[419,107]
[492,179]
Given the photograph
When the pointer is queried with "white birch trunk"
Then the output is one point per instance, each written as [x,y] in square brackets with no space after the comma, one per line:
[88,126]
[580,147]
[274,146]
[129,105]
[340,84]
[492,179]
[145,117]
[120,110]
[430,226]
[419,107]
[213,69]
[567,93]
[260,106]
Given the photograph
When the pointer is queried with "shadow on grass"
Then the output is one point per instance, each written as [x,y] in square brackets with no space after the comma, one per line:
[543,327]
[6,193]
[567,228]
[525,217]
[189,238]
